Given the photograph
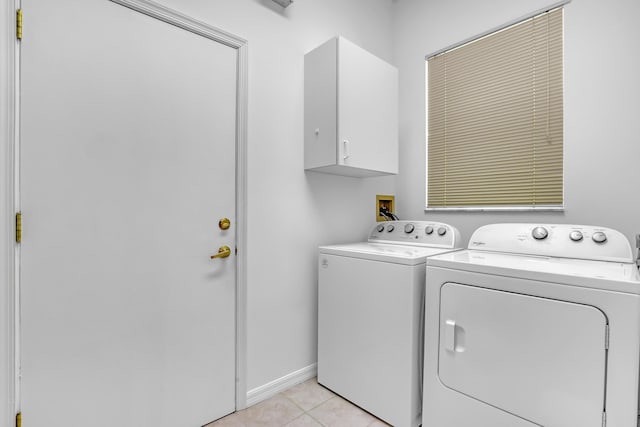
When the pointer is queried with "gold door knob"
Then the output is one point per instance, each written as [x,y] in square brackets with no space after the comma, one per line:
[224,224]
[223,252]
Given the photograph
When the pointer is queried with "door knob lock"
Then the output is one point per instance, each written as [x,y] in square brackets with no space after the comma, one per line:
[223,252]
[224,224]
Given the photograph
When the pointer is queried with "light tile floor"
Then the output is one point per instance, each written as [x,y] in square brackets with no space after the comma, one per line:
[307,404]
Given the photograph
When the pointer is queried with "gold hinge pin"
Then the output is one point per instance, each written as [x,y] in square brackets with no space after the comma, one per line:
[18,419]
[18,227]
[19,24]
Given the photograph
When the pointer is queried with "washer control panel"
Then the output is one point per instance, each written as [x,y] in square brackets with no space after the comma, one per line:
[419,233]
[556,240]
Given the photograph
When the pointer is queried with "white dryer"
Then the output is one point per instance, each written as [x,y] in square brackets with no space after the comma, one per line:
[533,325]
[370,311]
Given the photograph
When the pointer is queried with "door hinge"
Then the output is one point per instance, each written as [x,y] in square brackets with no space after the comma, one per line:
[606,337]
[19,24]
[18,419]
[604,419]
[19,227]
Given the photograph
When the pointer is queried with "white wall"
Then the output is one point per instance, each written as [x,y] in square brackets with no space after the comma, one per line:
[602,105]
[291,212]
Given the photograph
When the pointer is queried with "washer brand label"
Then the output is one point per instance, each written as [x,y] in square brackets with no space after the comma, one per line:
[478,243]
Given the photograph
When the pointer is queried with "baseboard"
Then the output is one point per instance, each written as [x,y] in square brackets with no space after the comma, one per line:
[268,390]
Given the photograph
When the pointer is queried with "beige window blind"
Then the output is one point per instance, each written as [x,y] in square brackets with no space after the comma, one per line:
[495,119]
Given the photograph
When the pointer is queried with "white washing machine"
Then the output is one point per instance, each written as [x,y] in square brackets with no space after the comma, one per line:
[533,325]
[370,311]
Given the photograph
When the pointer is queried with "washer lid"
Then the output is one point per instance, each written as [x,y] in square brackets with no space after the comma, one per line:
[399,254]
[607,275]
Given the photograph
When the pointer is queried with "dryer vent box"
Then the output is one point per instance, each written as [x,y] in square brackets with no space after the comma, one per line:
[283,3]
[386,202]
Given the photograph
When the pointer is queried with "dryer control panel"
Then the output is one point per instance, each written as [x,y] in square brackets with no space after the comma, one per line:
[554,240]
[418,233]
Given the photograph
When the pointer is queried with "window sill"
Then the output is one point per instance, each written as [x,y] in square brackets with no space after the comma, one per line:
[496,209]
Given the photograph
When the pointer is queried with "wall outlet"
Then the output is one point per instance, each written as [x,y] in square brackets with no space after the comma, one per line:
[386,203]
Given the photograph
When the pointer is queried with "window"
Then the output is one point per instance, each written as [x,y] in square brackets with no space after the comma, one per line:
[495,119]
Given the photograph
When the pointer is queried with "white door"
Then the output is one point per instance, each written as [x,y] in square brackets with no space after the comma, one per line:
[368,110]
[539,359]
[127,165]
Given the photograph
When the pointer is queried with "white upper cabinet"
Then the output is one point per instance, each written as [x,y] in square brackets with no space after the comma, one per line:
[350,111]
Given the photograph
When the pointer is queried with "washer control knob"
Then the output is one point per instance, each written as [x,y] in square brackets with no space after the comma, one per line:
[390,228]
[599,237]
[539,233]
[428,229]
[575,235]
[380,228]
[442,231]
[409,228]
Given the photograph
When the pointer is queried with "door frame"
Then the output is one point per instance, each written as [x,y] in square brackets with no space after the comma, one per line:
[10,192]
[9,84]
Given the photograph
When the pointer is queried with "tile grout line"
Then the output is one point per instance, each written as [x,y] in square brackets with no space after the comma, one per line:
[333,396]
[315,419]
[306,412]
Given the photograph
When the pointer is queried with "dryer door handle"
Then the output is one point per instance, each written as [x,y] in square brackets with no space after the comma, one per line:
[450,335]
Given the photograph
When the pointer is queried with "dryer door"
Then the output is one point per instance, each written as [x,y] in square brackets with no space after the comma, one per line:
[540,359]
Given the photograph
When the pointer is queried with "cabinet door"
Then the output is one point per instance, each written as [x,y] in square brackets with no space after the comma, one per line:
[320,100]
[539,359]
[367,110]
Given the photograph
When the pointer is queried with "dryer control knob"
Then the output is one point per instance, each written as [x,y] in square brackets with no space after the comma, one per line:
[380,228]
[390,228]
[409,228]
[575,235]
[442,231]
[428,229]
[539,233]
[599,237]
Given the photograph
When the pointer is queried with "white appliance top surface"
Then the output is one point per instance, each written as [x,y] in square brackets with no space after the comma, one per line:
[606,265]
[401,242]
[606,270]
[399,254]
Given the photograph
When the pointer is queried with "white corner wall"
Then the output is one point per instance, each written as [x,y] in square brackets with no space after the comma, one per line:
[602,105]
[290,212]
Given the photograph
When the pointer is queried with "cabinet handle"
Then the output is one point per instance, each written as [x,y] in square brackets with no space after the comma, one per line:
[346,151]
[450,335]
